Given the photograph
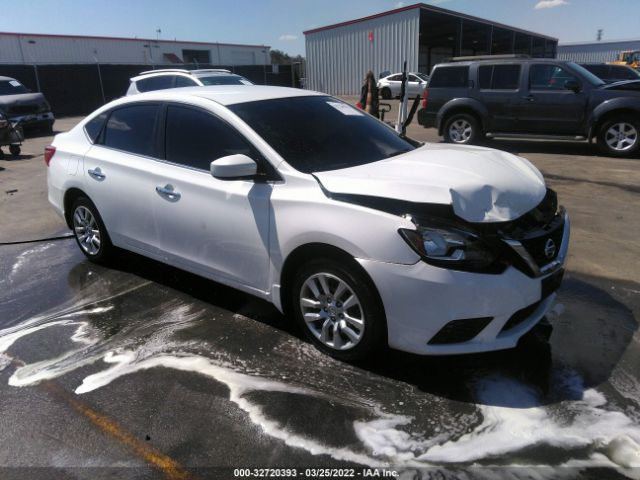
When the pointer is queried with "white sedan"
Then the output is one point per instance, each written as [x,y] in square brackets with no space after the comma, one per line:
[365,238]
[389,86]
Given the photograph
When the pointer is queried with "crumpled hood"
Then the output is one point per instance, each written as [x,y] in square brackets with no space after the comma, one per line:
[481,184]
[21,99]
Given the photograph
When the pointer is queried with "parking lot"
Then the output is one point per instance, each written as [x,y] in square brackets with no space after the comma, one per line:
[142,370]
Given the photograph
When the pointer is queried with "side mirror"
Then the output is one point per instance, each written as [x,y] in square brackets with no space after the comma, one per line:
[234,167]
[572,85]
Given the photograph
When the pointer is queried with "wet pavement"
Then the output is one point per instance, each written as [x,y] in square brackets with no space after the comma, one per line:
[209,377]
[140,370]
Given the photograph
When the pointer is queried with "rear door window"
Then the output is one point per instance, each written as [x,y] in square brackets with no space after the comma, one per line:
[194,138]
[450,77]
[499,77]
[161,82]
[132,128]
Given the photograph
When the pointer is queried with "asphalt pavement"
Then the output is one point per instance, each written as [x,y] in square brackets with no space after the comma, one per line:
[140,370]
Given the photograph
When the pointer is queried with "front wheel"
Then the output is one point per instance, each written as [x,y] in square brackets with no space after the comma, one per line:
[90,232]
[386,93]
[15,150]
[462,129]
[619,137]
[338,309]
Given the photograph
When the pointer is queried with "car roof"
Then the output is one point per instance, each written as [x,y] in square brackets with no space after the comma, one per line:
[6,78]
[464,63]
[178,71]
[224,94]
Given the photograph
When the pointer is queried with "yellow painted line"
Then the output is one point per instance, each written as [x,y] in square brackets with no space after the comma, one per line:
[171,469]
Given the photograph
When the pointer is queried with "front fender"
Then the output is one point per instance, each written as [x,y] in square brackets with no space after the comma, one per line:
[620,103]
[462,103]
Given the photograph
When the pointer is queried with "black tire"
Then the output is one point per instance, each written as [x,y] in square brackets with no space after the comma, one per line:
[386,93]
[373,335]
[1,154]
[464,120]
[105,251]
[606,135]
[15,150]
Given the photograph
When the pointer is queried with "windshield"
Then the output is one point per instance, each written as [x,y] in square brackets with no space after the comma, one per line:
[224,80]
[586,74]
[12,87]
[320,133]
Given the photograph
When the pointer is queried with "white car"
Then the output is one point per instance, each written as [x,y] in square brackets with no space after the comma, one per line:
[362,236]
[163,79]
[389,86]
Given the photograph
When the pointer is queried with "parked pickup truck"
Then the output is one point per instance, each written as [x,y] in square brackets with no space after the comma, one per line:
[530,97]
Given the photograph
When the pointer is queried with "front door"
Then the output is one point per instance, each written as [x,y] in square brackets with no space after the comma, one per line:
[215,227]
[547,106]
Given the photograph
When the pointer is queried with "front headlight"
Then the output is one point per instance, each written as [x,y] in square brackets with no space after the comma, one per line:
[44,107]
[449,247]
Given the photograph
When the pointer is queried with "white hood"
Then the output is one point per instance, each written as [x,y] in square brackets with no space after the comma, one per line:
[482,185]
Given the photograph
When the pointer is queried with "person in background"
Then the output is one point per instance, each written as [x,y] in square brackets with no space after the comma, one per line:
[369,95]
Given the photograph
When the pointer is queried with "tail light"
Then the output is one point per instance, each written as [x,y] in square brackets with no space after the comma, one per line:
[425,98]
[49,151]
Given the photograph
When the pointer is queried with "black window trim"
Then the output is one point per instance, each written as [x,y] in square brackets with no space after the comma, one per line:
[269,172]
[100,138]
[493,65]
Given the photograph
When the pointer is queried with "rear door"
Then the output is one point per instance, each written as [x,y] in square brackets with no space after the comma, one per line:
[498,91]
[395,82]
[546,106]
[117,175]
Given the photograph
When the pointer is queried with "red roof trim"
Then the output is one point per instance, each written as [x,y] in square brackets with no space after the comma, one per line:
[364,19]
[129,39]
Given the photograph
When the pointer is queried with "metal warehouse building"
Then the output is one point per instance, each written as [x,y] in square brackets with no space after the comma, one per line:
[338,56]
[596,52]
[34,49]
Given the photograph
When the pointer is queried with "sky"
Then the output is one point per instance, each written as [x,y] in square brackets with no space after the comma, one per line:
[280,23]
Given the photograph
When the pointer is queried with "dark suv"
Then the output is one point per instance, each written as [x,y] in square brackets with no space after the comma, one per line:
[529,97]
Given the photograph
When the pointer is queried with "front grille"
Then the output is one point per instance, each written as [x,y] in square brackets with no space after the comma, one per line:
[23,109]
[457,331]
[520,316]
[536,245]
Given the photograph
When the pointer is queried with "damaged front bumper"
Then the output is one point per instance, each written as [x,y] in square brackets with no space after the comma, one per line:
[437,311]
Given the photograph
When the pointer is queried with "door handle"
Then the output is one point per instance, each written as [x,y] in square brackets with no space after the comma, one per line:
[97,174]
[529,98]
[168,191]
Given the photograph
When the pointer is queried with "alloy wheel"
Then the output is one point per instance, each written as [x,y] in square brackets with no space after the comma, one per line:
[621,136]
[86,230]
[460,131]
[332,311]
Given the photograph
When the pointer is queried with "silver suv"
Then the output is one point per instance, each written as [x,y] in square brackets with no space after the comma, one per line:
[176,78]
